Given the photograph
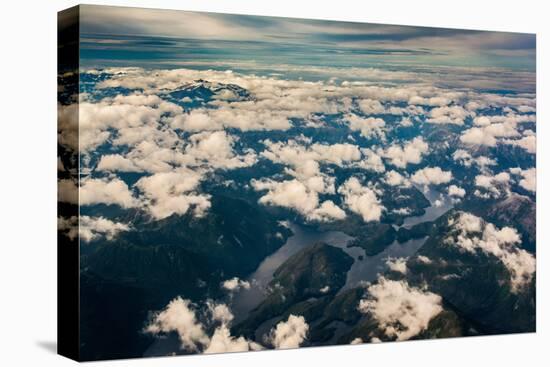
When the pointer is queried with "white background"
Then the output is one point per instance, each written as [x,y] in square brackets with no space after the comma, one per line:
[28,182]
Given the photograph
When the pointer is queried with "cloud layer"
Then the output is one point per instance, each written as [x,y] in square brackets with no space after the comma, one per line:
[401,311]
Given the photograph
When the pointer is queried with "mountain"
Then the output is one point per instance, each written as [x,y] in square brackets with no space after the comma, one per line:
[517,211]
[180,255]
[200,91]
[317,271]
[473,283]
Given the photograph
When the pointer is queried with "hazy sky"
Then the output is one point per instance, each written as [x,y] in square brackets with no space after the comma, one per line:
[135,34]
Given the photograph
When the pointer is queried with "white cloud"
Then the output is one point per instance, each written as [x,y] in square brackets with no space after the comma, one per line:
[106,191]
[431,101]
[68,226]
[138,100]
[234,284]
[67,191]
[431,176]
[402,211]
[469,223]
[361,200]
[338,154]
[526,109]
[398,265]
[478,136]
[488,181]
[67,126]
[178,316]
[300,196]
[95,119]
[410,152]
[370,106]
[216,150]
[60,166]
[245,116]
[501,130]
[172,78]
[174,192]
[290,333]
[223,342]
[529,180]
[368,126]
[424,259]
[220,312]
[117,162]
[473,234]
[289,194]
[296,155]
[511,119]
[402,311]
[160,136]
[490,128]
[467,160]
[196,120]
[456,191]
[529,143]
[371,161]
[394,178]
[207,150]
[92,228]
[276,101]
[146,156]
[143,124]
[495,185]
[327,211]
[406,122]
[482,121]
[302,192]
[448,115]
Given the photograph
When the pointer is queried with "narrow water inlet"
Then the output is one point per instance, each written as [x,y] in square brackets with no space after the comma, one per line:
[365,270]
